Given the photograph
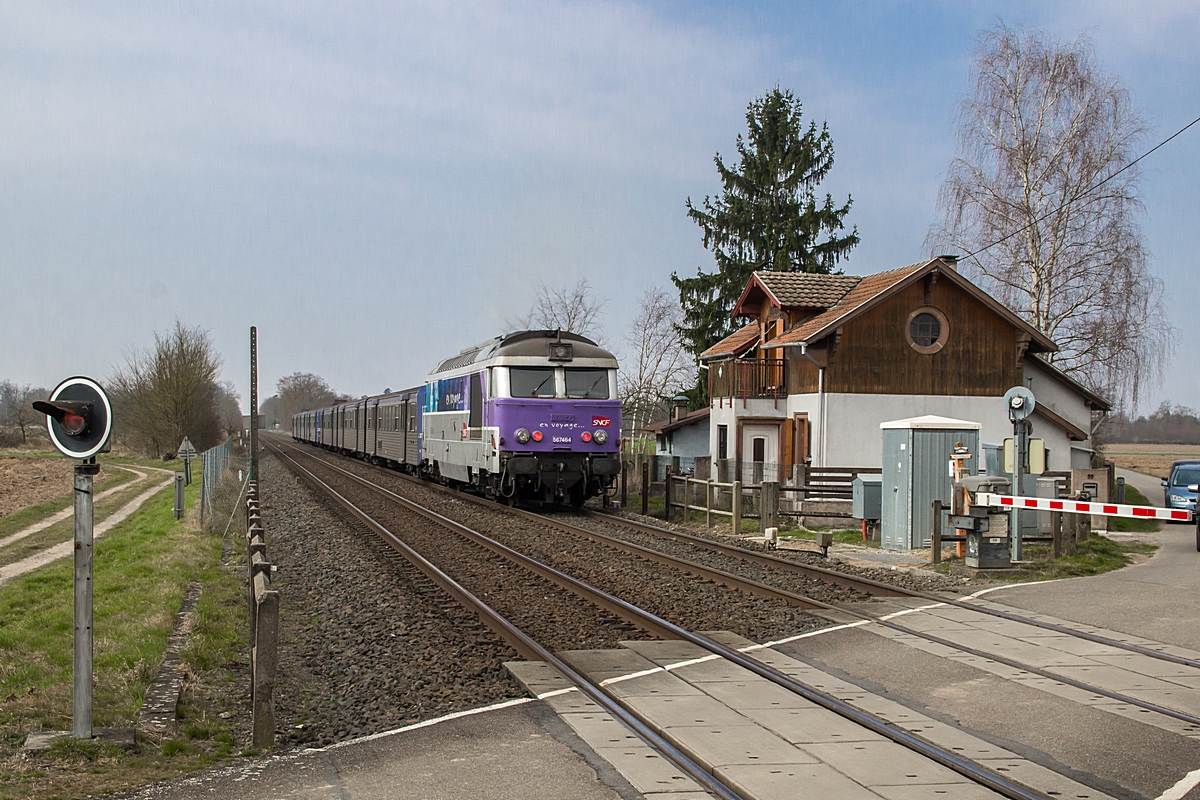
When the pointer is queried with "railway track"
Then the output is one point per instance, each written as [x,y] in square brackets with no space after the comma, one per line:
[858,585]
[527,645]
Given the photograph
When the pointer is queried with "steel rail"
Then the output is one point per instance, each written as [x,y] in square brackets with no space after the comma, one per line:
[878,587]
[520,641]
[965,767]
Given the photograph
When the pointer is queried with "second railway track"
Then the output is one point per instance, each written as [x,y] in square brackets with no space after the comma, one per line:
[788,581]
[648,621]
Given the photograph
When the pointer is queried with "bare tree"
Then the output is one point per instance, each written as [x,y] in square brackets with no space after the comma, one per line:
[301,391]
[16,408]
[575,309]
[658,365]
[1038,199]
[169,392]
[229,409]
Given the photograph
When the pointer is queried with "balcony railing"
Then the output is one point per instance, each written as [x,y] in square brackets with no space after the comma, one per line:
[747,377]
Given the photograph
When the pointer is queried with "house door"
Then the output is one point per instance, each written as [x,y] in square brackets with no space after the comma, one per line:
[760,453]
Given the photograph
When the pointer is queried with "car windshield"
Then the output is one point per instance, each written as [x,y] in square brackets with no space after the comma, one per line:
[587,384]
[1186,476]
[531,382]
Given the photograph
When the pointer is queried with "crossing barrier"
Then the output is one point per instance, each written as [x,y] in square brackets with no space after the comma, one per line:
[1082,507]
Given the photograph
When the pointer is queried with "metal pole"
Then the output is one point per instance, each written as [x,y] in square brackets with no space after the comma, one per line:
[253,403]
[1020,445]
[645,487]
[935,533]
[81,698]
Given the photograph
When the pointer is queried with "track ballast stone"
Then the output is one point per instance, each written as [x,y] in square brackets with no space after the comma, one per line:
[362,649]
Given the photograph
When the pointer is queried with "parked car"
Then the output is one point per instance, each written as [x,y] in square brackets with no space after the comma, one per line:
[1179,489]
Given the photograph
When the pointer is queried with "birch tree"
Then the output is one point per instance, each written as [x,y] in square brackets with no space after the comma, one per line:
[658,365]
[1044,201]
[575,309]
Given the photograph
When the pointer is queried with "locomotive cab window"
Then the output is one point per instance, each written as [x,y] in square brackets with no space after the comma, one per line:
[531,382]
[587,384]
[927,330]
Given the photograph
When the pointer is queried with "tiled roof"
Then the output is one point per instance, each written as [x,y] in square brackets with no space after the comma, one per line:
[866,289]
[734,344]
[806,290]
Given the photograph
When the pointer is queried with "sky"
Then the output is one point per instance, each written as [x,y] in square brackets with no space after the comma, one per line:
[377,186]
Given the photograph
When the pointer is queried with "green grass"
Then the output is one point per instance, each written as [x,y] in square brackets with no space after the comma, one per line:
[1120,524]
[64,530]
[142,568]
[1094,556]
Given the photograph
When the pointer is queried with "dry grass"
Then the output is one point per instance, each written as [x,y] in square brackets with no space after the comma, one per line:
[1149,459]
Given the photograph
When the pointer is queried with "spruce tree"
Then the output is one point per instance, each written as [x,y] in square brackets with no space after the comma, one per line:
[767,218]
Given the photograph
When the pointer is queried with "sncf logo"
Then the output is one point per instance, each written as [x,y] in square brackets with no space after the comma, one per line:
[601,422]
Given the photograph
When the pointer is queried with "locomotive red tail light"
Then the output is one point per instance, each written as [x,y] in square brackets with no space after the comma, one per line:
[587,437]
[537,436]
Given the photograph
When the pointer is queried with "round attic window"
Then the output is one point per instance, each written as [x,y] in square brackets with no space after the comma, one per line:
[927,330]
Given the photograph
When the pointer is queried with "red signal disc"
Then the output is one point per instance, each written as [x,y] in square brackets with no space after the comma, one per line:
[73,423]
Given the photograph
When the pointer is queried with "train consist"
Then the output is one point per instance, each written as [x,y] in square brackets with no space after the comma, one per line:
[529,417]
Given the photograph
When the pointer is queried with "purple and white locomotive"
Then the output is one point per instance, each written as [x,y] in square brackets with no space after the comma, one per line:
[527,417]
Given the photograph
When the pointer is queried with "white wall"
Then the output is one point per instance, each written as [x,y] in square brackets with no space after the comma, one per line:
[855,440]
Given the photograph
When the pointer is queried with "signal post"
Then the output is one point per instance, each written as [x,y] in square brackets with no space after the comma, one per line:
[79,421]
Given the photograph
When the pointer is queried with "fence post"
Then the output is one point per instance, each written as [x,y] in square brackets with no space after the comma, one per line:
[708,504]
[624,472]
[1056,532]
[935,533]
[263,661]
[667,494]
[736,507]
[768,512]
[645,488]
[1070,531]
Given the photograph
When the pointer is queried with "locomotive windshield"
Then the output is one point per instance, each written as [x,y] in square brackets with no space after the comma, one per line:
[531,381]
[587,384]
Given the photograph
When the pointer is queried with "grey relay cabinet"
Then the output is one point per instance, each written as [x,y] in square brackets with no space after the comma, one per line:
[916,470]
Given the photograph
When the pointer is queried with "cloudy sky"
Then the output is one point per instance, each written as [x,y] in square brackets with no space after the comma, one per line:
[376,186]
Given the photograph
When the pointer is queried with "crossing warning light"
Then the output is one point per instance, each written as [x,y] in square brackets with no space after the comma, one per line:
[78,417]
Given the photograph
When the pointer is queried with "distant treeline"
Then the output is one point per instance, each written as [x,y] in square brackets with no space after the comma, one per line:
[1168,425]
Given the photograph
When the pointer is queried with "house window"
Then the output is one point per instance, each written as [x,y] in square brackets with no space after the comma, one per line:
[722,442]
[927,330]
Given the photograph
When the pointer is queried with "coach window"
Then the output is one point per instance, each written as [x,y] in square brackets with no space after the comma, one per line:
[531,382]
[587,384]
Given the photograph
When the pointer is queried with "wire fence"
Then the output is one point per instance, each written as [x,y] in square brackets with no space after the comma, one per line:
[224,473]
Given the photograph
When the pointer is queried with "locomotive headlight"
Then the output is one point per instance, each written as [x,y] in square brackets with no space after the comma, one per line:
[522,436]
[600,436]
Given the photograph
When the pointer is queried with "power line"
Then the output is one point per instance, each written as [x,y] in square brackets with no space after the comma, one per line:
[1084,193]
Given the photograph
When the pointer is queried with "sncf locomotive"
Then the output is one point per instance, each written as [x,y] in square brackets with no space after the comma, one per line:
[527,417]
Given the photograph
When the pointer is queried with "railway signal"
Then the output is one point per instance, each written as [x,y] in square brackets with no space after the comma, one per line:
[79,421]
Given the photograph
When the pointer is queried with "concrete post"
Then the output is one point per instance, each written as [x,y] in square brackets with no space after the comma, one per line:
[1070,529]
[179,484]
[81,697]
[768,512]
[736,508]
[624,485]
[263,660]
[254,403]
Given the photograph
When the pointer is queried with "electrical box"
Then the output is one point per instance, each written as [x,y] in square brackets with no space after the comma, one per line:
[989,549]
[866,492]
[916,453]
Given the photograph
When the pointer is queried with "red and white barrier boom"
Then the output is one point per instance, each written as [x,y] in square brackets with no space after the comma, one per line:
[1079,507]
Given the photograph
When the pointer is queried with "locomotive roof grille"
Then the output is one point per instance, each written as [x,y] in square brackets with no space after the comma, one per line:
[527,343]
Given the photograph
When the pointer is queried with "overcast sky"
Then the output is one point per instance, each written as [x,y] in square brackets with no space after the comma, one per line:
[376,186]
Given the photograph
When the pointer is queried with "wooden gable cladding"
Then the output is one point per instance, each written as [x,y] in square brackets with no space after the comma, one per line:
[980,357]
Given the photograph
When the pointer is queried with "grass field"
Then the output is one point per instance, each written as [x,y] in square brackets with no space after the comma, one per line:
[1149,459]
[142,569]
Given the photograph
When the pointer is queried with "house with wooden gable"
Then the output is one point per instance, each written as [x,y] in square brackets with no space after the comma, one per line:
[824,360]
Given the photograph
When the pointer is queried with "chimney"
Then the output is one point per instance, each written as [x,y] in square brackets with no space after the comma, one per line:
[679,407]
[951,261]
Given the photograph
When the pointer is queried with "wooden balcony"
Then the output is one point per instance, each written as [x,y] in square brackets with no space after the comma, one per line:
[747,377]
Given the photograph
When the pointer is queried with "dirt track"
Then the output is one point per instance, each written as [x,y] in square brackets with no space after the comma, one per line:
[26,480]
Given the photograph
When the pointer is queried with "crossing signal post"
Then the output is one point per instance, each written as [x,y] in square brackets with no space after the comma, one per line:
[79,421]
[1020,404]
